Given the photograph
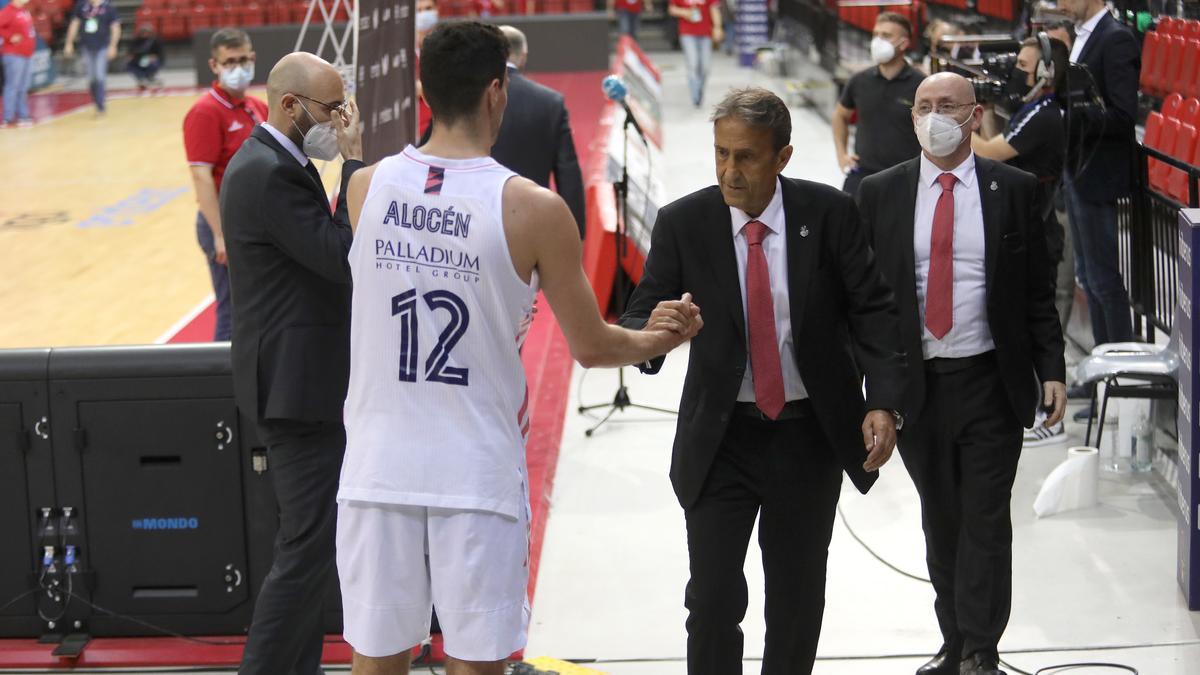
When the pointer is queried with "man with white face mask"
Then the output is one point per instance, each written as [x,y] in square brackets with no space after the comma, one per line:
[882,96]
[291,340]
[213,130]
[960,241]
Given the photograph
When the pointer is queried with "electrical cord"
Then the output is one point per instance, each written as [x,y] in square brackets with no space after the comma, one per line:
[1046,669]
[19,598]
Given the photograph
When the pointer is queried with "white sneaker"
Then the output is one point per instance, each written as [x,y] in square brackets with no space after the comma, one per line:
[1040,435]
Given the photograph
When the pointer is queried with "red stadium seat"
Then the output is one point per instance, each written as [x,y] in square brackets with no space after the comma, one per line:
[300,10]
[1166,143]
[1189,75]
[1166,26]
[278,12]
[147,16]
[1175,45]
[1151,56]
[1189,112]
[251,15]
[1171,105]
[154,4]
[579,6]
[1185,147]
[180,4]
[200,17]
[173,26]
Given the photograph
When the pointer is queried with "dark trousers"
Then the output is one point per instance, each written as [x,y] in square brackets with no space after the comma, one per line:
[785,474]
[286,635]
[1097,264]
[220,280]
[962,455]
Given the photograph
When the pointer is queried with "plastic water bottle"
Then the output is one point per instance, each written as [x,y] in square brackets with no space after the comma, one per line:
[1142,453]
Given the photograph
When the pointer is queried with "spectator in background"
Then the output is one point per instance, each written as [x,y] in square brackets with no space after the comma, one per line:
[101,33]
[699,27]
[1100,152]
[146,58]
[213,130]
[628,14]
[1035,141]
[535,137]
[426,20]
[17,40]
[883,96]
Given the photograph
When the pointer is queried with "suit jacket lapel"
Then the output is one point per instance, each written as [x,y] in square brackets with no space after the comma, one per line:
[267,139]
[1094,38]
[993,206]
[723,259]
[801,251]
[906,207]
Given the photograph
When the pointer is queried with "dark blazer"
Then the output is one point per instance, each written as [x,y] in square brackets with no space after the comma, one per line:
[839,302]
[535,141]
[1020,294]
[290,282]
[1102,142]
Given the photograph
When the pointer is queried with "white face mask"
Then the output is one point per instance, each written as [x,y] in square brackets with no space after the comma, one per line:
[321,141]
[426,20]
[882,51]
[939,134]
[237,78]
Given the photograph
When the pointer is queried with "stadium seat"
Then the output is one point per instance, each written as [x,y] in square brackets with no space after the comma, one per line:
[1166,144]
[1177,179]
[1190,72]
[148,16]
[1151,57]
[250,15]
[1171,105]
[173,26]
[1166,25]
[1189,112]
[1153,139]
[300,10]
[278,12]
[1191,29]
[1174,56]
[200,17]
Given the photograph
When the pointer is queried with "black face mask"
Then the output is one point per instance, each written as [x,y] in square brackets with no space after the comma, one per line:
[1016,89]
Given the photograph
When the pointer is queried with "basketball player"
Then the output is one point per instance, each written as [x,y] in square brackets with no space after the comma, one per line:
[449,251]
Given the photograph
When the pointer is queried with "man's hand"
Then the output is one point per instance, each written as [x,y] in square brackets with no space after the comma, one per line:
[219,251]
[676,316]
[848,162]
[674,322]
[879,438]
[349,132]
[718,35]
[112,52]
[16,38]
[69,51]
[1055,401]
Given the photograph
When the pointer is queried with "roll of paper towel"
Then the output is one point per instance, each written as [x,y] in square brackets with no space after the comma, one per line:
[1072,484]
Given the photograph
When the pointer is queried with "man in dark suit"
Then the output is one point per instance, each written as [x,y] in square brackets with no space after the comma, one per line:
[961,243]
[291,340]
[772,409]
[1100,162]
[535,137]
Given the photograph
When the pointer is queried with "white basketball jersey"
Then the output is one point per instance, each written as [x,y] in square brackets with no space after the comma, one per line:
[436,413]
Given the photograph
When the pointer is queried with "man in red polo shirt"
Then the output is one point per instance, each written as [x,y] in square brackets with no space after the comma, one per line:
[213,130]
[629,15]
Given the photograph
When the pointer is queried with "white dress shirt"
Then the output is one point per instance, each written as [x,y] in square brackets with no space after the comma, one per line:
[286,143]
[1083,31]
[970,333]
[775,249]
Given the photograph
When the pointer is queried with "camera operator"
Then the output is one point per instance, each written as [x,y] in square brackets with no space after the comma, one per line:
[1100,160]
[1035,141]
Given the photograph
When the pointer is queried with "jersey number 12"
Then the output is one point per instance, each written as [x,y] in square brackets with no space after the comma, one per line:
[436,370]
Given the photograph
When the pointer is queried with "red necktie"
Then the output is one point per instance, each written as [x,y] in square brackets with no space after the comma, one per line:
[760,309]
[939,293]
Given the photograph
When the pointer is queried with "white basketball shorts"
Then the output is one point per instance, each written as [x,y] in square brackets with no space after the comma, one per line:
[397,563]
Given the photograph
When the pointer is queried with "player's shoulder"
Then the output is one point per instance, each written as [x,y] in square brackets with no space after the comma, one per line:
[525,197]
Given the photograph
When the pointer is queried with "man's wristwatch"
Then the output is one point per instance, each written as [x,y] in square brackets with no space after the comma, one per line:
[899,419]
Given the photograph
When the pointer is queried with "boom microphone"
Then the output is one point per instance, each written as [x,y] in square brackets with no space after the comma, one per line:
[615,90]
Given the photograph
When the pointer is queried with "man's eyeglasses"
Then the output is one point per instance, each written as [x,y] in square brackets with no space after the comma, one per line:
[231,62]
[333,108]
[944,108]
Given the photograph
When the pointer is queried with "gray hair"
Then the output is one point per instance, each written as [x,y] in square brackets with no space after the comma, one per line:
[517,44]
[757,107]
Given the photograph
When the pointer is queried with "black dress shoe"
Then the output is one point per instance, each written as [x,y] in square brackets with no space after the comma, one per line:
[945,663]
[980,664]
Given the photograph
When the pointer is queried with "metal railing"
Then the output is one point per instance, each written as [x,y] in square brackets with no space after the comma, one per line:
[1148,240]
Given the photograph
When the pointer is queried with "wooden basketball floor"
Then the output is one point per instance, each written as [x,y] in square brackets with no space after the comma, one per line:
[97,225]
